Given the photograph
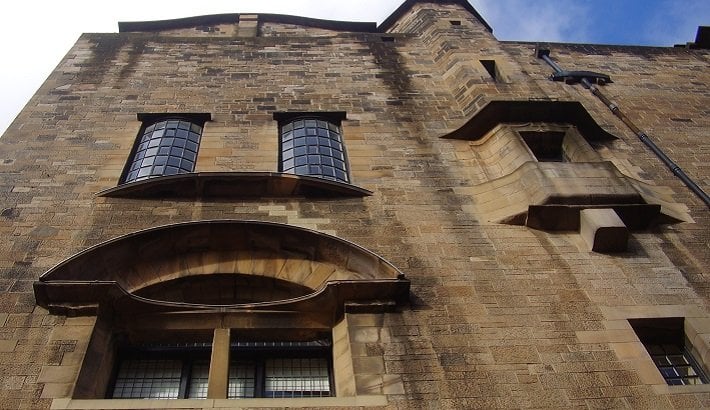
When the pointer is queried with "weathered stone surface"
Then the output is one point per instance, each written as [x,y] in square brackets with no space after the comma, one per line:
[499,316]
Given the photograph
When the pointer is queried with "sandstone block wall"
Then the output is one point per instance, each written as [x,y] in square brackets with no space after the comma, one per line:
[500,316]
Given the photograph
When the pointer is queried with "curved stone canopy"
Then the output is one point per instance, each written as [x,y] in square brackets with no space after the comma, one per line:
[119,271]
[500,112]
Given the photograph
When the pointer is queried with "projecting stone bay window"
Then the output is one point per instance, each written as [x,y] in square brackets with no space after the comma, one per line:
[540,167]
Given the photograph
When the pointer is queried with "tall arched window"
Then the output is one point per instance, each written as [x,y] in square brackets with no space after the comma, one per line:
[311,144]
[166,146]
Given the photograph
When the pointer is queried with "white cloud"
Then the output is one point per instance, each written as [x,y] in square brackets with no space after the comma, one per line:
[539,20]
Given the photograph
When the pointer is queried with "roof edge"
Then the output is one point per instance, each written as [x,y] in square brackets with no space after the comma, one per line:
[159,25]
[211,19]
[408,4]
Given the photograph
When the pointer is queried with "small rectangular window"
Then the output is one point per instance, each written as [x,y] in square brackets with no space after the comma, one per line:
[546,146]
[490,66]
[665,341]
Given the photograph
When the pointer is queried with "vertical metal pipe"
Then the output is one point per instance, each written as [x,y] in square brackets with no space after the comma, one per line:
[677,171]
[552,64]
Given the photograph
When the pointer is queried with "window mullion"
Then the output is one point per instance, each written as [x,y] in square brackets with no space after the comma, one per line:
[184,378]
[219,365]
[260,389]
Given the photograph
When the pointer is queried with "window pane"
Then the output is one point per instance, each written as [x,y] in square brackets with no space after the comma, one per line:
[296,377]
[242,376]
[179,139]
[198,380]
[313,137]
[148,379]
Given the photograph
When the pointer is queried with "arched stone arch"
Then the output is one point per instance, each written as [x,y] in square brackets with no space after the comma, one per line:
[320,266]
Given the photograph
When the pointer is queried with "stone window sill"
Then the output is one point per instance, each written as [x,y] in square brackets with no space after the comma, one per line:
[355,401]
[204,185]
[688,389]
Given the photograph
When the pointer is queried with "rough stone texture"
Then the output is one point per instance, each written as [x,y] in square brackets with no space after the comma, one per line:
[501,316]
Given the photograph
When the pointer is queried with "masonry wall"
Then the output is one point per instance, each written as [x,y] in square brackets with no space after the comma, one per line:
[500,315]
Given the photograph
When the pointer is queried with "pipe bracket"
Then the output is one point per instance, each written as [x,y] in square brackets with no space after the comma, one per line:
[572,77]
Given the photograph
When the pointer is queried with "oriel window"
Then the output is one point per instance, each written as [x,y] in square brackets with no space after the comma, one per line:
[312,144]
[165,146]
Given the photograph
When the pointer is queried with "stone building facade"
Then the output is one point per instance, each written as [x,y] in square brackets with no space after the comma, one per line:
[312,213]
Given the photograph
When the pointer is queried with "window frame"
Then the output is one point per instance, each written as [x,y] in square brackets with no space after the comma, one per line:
[186,354]
[151,119]
[669,331]
[259,355]
[331,119]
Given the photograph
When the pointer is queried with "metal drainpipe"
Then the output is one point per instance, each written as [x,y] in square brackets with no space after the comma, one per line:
[544,54]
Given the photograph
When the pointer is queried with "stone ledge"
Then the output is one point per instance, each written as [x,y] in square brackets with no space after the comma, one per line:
[355,401]
[220,185]
[603,230]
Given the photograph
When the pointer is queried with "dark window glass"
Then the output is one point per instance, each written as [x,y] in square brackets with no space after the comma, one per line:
[310,141]
[545,145]
[675,364]
[242,379]
[174,142]
[664,339]
[189,155]
[298,151]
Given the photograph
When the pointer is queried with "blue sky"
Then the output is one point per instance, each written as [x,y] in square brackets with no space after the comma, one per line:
[37,33]
[628,22]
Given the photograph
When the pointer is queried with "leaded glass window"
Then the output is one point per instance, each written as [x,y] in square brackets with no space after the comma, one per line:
[676,364]
[242,379]
[296,377]
[289,369]
[280,369]
[162,372]
[313,146]
[165,147]
[148,379]
[665,341]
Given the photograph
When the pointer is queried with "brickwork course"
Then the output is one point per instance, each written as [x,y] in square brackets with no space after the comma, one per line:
[499,314]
